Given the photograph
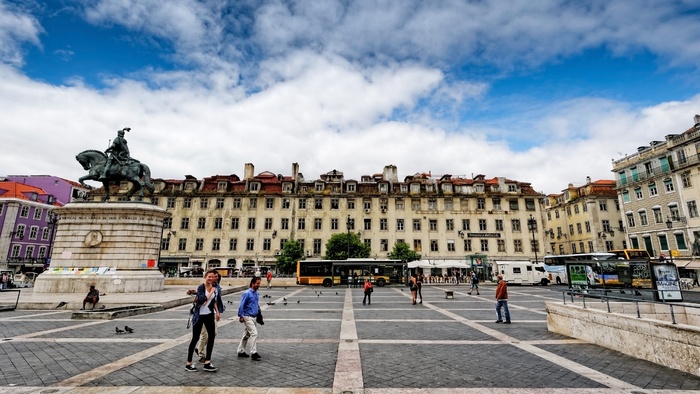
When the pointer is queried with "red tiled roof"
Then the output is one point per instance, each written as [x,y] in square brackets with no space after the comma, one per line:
[20,191]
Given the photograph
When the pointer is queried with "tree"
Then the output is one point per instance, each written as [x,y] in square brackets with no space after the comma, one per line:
[403,252]
[291,253]
[346,245]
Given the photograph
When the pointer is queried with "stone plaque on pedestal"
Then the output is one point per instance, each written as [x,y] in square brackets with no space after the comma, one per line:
[113,246]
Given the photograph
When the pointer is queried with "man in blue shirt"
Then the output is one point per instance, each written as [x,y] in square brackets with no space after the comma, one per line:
[247,312]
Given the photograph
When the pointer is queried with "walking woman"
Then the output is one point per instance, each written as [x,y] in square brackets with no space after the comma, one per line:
[206,313]
[419,285]
[368,292]
[413,286]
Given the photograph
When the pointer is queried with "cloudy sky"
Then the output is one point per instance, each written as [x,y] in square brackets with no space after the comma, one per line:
[546,92]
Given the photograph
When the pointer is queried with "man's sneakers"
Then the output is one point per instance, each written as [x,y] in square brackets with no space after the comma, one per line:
[209,368]
[191,368]
[243,355]
[255,356]
[499,321]
[506,322]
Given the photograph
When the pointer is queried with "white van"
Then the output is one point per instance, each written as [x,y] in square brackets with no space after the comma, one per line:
[522,272]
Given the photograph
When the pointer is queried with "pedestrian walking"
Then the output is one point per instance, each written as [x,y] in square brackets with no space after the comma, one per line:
[502,300]
[475,283]
[368,292]
[206,313]
[419,285]
[354,279]
[269,279]
[5,281]
[413,286]
[247,312]
[200,350]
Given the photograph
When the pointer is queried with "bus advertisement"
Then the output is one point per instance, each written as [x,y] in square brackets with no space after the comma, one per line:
[352,271]
[555,265]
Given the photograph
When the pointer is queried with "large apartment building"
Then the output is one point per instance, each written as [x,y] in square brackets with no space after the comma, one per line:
[227,221]
[659,191]
[584,219]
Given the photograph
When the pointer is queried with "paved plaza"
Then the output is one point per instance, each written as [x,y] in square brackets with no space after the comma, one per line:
[325,341]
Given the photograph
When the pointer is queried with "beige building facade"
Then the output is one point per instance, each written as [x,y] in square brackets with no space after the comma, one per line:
[584,219]
[227,221]
[659,192]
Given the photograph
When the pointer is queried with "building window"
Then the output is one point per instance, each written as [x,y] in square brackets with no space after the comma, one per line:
[643,221]
[285,224]
[268,223]
[202,223]
[350,224]
[399,204]
[37,213]
[199,244]
[285,203]
[399,224]
[501,244]
[484,245]
[450,245]
[233,244]
[302,203]
[236,203]
[518,245]
[571,229]
[499,225]
[673,209]
[251,223]
[626,196]
[170,202]
[187,202]
[254,186]
[480,204]
[250,244]
[267,244]
[155,200]
[680,240]
[253,203]
[269,203]
[482,225]
[416,224]
[417,247]
[668,185]
[33,232]
[216,244]
[467,245]
[465,224]
[45,233]
[433,224]
[383,204]
[434,245]
[685,178]
[529,204]
[450,224]
[692,209]
[415,204]
[234,223]
[663,242]
[367,204]
[318,203]
[351,187]
[335,203]
[318,223]
[318,187]
[658,218]
[317,246]
[383,245]
[652,189]
[368,224]
[182,244]
[301,224]
[24,212]
[185,224]
[383,224]
[432,204]
[203,203]
[448,204]
[638,193]
[630,220]
[603,206]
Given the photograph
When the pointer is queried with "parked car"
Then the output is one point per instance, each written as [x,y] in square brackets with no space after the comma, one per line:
[24,280]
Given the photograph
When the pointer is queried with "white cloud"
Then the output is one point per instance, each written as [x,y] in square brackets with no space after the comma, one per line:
[17,27]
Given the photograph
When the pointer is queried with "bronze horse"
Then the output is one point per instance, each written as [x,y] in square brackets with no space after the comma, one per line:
[137,173]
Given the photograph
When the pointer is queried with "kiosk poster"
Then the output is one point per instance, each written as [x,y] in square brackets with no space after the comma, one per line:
[667,284]
[577,276]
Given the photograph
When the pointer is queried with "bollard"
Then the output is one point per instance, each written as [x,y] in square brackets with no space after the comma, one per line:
[607,301]
[673,316]
[636,303]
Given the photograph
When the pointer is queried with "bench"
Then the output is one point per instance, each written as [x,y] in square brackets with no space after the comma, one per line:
[449,293]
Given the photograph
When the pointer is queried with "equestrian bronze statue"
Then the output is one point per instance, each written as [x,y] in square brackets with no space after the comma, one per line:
[116,167]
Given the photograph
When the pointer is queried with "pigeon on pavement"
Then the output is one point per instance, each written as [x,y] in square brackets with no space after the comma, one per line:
[119,331]
[60,304]
[129,329]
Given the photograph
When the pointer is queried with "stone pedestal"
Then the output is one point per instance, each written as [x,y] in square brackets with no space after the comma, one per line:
[114,246]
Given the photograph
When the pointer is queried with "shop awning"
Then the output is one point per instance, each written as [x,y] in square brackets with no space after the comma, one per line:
[689,265]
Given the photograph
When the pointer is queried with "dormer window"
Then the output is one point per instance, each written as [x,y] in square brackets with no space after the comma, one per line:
[319,187]
[428,188]
[221,186]
[479,188]
[404,188]
[287,187]
[447,187]
[512,188]
[254,186]
[383,187]
[351,187]
[415,188]
[189,186]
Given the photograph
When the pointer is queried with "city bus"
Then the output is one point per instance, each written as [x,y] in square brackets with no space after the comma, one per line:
[352,271]
[555,265]
[632,254]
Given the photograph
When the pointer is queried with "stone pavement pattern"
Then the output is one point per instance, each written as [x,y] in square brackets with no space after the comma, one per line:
[328,342]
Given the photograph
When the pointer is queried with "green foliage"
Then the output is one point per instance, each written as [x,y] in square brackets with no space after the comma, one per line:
[291,253]
[339,245]
[403,252]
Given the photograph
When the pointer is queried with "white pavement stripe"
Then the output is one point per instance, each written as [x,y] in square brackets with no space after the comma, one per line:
[348,366]
[40,333]
[575,367]
[22,317]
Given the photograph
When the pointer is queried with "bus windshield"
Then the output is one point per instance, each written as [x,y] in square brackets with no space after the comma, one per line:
[631,254]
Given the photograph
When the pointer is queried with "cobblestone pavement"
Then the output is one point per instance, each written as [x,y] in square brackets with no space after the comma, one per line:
[326,341]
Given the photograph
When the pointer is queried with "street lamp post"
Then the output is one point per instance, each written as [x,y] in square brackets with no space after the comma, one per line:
[532,226]
[669,224]
[347,238]
[52,222]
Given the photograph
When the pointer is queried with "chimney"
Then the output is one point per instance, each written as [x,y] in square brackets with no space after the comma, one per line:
[295,172]
[391,173]
[248,172]
[588,180]
[697,121]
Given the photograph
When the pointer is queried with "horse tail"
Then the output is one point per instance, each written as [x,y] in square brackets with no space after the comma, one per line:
[146,172]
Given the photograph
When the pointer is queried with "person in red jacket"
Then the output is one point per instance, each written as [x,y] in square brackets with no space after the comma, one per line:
[502,300]
[368,292]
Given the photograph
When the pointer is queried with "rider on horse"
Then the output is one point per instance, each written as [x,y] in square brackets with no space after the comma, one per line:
[118,152]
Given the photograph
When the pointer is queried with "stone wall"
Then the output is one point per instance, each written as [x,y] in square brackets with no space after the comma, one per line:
[653,337]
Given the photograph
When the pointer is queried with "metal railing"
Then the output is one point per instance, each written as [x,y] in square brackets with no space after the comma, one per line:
[8,307]
[604,297]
